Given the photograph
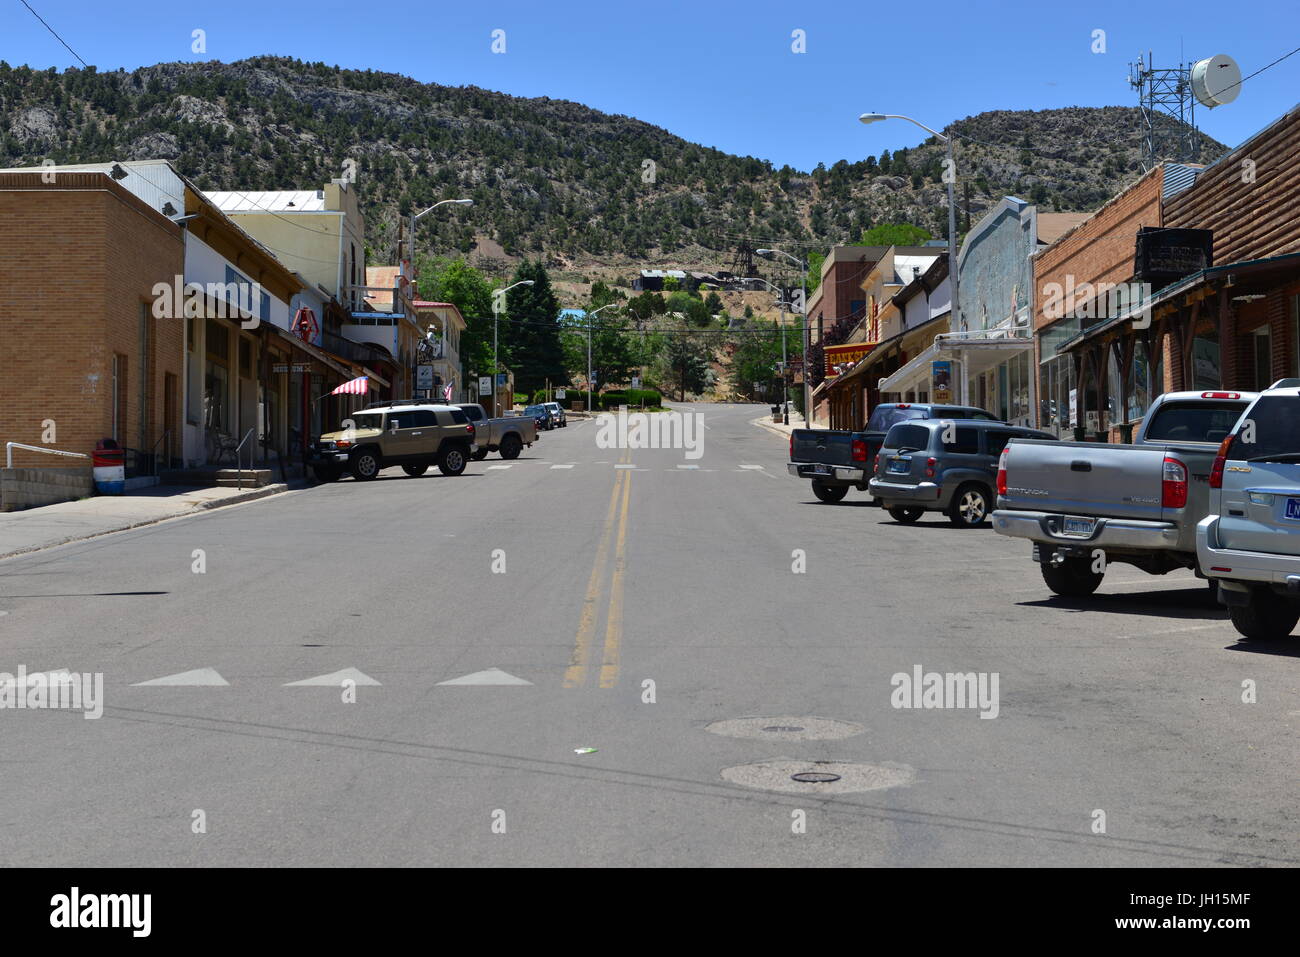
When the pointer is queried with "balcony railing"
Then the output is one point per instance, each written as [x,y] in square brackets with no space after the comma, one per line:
[363,352]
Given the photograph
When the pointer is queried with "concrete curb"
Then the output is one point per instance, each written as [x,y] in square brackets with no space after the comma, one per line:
[766,423]
[250,496]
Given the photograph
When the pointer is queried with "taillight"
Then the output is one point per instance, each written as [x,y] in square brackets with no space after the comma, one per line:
[930,463]
[792,446]
[1002,470]
[859,450]
[1173,487]
[343,444]
[470,429]
[875,464]
[1220,462]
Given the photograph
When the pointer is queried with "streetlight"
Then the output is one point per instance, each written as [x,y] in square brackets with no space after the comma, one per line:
[589,316]
[785,392]
[803,303]
[499,297]
[950,175]
[415,217]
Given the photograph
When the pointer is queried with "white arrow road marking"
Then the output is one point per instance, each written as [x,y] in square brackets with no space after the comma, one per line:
[31,677]
[199,677]
[335,680]
[490,467]
[493,676]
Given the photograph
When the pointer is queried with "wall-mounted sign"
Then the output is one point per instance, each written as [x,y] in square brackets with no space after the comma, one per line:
[845,355]
[941,377]
[295,367]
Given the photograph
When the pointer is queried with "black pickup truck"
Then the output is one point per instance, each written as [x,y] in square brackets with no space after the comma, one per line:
[837,460]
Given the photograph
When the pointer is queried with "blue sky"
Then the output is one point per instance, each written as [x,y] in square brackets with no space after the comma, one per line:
[719,72]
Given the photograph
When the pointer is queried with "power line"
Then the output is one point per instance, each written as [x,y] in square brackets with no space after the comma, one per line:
[55,34]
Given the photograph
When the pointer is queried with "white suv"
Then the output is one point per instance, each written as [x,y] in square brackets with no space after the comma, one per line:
[1250,541]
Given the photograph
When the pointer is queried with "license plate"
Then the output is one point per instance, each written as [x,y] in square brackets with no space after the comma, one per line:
[1078,526]
[899,466]
[1293,509]
[821,470]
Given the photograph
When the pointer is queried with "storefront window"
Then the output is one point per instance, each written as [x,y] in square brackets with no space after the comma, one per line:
[1205,362]
[1114,387]
[1056,385]
[1139,393]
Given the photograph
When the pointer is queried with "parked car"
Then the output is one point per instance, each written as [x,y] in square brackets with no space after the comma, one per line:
[413,435]
[1138,504]
[942,465]
[557,414]
[837,460]
[1250,541]
[507,435]
[542,415]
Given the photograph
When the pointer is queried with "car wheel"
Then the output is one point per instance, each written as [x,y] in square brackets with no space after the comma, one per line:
[478,455]
[907,514]
[365,465]
[451,461]
[1073,578]
[830,493]
[969,507]
[415,471]
[511,446]
[326,474]
[1267,617]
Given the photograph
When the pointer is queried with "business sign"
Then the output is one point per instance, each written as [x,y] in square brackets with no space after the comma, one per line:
[941,379]
[501,380]
[845,355]
[295,367]
[485,385]
[424,377]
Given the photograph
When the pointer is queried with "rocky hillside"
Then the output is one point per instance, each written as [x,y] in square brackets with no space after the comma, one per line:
[549,177]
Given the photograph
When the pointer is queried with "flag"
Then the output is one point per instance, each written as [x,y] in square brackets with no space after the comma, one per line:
[357,386]
[446,392]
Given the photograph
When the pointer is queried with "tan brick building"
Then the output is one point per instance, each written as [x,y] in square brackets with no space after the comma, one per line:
[79,257]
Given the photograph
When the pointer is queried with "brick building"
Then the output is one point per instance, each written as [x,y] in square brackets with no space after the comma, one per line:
[79,258]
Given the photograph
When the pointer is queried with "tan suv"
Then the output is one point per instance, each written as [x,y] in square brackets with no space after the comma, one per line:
[413,435]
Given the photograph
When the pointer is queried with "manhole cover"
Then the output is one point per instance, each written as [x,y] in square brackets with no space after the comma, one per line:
[800,776]
[786,727]
[814,777]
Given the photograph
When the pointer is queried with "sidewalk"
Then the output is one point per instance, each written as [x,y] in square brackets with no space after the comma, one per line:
[780,428]
[37,528]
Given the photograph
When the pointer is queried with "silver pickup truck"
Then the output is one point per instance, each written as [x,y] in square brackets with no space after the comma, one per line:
[507,436]
[1087,504]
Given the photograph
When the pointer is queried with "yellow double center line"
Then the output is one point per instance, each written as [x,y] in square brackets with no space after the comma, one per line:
[576,674]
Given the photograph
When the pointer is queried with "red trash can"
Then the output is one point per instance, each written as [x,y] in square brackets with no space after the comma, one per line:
[109,461]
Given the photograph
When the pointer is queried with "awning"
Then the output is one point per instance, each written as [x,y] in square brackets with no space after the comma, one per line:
[978,353]
[314,351]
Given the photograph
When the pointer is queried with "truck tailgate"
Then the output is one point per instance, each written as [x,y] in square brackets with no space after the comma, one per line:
[823,446]
[1084,478]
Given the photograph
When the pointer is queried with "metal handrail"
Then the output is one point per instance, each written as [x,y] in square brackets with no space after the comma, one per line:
[166,434]
[10,446]
[239,458]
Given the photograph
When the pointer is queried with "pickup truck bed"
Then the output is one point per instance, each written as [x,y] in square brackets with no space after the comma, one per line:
[1086,504]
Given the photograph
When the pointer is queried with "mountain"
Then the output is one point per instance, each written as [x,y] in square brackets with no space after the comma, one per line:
[549,178]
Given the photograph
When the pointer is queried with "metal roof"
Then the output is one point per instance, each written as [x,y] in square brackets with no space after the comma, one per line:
[269,201]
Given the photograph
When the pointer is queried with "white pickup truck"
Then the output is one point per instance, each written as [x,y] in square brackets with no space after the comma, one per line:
[507,435]
[1084,505]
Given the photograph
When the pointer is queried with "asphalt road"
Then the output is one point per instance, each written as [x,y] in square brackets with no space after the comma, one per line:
[1129,703]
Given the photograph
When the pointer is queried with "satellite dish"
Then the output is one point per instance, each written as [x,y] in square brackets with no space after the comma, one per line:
[1216,81]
